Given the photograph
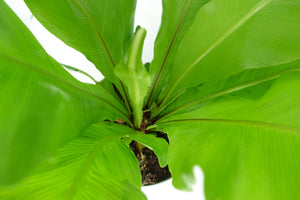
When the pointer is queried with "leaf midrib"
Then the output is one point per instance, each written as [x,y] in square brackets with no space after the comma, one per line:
[267,125]
[101,39]
[86,165]
[228,91]
[217,42]
[94,27]
[48,74]
[169,50]
[89,76]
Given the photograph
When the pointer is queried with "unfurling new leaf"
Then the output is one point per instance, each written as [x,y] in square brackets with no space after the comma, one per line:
[133,73]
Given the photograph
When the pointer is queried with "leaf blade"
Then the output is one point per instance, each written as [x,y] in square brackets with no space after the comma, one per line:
[231,42]
[42,106]
[104,44]
[176,18]
[90,167]
[195,97]
[244,154]
[238,162]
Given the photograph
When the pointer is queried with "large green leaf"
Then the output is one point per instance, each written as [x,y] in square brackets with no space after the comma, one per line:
[227,37]
[248,149]
[177,17]
[251,82]
[96,165]
[41,106]
[134,75]
[100,29]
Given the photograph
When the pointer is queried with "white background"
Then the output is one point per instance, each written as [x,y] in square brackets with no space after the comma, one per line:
[148,15]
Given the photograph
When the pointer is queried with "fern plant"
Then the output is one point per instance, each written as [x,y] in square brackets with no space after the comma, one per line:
[224,85]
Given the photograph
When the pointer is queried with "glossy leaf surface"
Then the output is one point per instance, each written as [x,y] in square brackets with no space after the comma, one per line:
[224,86]
[42,106]
[253,83]
[177,17]
[227,37]
[96,165]
[248,149]
[134,75]
[100,29]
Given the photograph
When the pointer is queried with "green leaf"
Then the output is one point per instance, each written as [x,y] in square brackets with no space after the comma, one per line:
[41,106]
[104,84]
[248,149]
[158,145]
[111,88]
[227,37]
[253,83]
[177,17]
[100,29]
[96,165]
[74,69]
[134,75]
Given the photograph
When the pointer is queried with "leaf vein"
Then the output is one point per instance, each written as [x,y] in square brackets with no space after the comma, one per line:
[41,71]
[267,125]
[169,50]
[98,33]
[218,41]
[85,167]
[228,91]
[101,39]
